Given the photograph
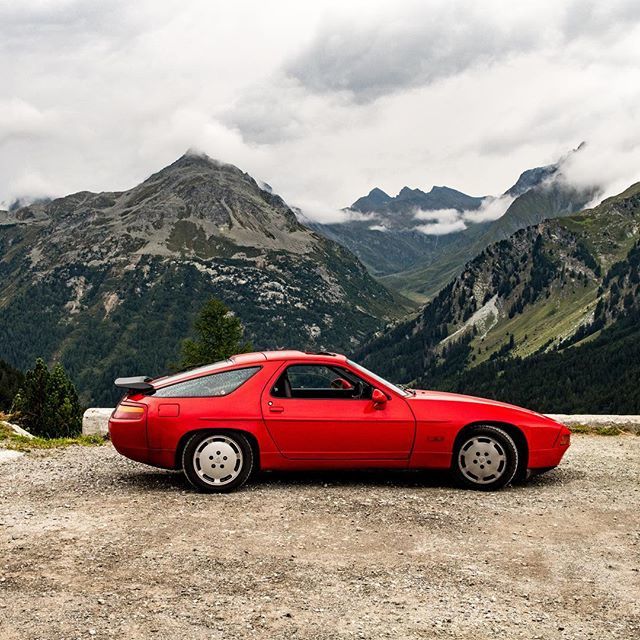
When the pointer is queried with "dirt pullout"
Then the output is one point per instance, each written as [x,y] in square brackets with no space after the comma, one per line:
[93,545]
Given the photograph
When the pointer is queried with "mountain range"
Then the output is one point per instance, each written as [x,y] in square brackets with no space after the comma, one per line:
[109,283]
[517,305]
[391,235]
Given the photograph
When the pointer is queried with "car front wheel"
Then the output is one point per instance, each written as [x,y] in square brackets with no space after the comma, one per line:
[217,462]
[485,459]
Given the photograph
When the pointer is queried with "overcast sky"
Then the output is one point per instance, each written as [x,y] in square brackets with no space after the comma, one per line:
[324,100]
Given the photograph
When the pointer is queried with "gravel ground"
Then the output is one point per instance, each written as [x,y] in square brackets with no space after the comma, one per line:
[92,545]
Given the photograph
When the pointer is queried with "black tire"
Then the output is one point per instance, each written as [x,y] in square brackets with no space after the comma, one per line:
[217,461]
[485,458]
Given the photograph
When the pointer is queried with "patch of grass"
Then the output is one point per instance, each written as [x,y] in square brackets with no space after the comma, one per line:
[544,320]
[596,430]
[5,430]
[15,442]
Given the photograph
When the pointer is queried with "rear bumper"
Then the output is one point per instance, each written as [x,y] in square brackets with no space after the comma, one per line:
[129,439]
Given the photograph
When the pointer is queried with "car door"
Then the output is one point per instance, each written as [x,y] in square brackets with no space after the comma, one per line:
[321,417]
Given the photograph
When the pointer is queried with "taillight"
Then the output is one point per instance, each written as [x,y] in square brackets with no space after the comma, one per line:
[565,440]
[128,412]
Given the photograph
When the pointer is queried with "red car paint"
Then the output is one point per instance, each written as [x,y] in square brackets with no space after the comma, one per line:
[407,431]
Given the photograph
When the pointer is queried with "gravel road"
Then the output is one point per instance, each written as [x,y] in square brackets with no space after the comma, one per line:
[92,545]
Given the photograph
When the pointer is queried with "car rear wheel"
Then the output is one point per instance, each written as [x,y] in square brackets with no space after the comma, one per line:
[217,462]
[485,459]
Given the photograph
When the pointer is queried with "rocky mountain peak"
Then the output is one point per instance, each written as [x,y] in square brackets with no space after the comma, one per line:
[407,192]
[373,201]
[196,205]
[197,169]
[192,159]
[532,178]
[435,190]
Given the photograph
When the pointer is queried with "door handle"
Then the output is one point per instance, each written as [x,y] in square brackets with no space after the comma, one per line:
[276,409]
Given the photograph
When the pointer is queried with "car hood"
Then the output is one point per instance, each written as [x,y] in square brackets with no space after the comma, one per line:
[445,396]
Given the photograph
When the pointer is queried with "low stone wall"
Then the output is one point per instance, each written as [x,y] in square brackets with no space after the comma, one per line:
[8,456]
[626,423]
[96,421]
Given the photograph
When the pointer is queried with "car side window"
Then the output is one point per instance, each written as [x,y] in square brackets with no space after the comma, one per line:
[320,382]
[216,384]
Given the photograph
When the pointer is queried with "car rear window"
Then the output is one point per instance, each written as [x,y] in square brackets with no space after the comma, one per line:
[216,384]
[221,364]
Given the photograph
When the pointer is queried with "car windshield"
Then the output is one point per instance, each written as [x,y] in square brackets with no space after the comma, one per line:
[376,377]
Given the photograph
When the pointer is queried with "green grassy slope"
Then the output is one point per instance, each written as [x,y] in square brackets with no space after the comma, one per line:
[601,375]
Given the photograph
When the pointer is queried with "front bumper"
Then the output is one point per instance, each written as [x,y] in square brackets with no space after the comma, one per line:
[549,458]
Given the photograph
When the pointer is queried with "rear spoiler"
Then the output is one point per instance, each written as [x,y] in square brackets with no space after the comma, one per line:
[139,383]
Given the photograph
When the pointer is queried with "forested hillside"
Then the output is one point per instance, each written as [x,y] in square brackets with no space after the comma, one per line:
[597,376]
[561,291]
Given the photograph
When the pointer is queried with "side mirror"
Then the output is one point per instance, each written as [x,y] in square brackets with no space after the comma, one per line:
[379,398]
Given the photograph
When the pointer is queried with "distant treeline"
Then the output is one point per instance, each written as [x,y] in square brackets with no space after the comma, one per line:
[601,375]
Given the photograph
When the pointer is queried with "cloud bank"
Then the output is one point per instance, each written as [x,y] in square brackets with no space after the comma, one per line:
[443,221]
[322,100]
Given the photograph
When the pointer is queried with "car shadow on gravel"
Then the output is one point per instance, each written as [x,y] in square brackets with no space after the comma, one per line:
[356,478]
[150,480]
[422,478]
[160,480]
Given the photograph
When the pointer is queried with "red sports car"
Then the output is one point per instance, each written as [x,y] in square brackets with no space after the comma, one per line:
[295,410]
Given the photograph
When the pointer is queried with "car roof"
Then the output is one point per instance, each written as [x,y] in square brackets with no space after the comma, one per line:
[290,354]
[248,359]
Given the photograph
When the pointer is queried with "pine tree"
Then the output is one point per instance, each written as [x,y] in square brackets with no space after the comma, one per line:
[47,404]
[218,335]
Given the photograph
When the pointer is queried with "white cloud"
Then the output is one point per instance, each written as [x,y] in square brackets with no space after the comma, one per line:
[438,39]
[441,221]
[441,228]
[322,100]
[441,215]
[395,50]
[319,212]
[612,158]
[19,119]
[491,208]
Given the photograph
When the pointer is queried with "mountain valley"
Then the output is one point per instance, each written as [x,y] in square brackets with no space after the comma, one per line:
[389,234]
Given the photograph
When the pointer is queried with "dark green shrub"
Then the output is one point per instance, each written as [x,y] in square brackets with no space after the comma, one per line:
[10,381]
[47,403]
